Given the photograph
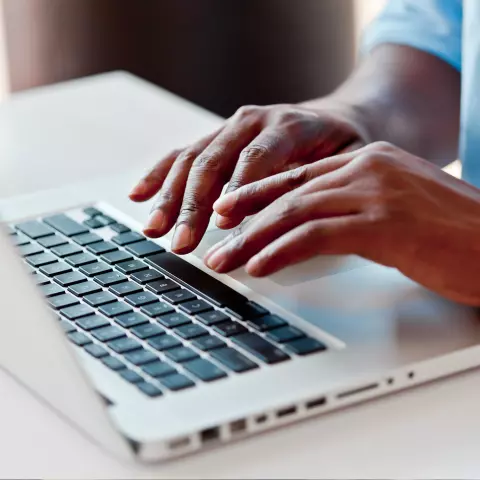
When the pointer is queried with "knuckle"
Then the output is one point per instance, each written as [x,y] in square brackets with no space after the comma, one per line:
[247,111]
[287,208]
[165,196]
[296,177]
[287,116]
[192,203]
[382,146]
[253,153]
[187,157]
[375,161]
[207,161]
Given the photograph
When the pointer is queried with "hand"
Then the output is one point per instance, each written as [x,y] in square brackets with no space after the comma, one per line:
[378,202]
[253,144]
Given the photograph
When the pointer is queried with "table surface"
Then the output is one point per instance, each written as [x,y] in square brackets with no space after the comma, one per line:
[118,122]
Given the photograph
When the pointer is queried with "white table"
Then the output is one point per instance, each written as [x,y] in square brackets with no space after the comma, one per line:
[117,121]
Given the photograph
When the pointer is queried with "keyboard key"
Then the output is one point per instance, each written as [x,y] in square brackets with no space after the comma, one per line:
[123,345]
[78,338]
[56,268]
[181,354]
[95,269]
[260,348]
[178,296]
[113,363]
[92,211]
[101,248]
[80,259]
[40,279]
[158,369]
[67,326]
[119,228]
[177,381]
[62,301]
[144,248]
[140,357]
[141,298]
[70,278]
[204,370]
[86,239]
[162,286]
[195,306]
[149,389]
[285,334]
[190,331]
[208,342]
[84,288]
[156,309]
[213,317]
[227,329]
[127,238]
[95,350]
[129,320]
[51,289]
[125,288]
[131,267]
[34,229]
[114,309]
[29,249]
[146,276]
[106,334]
[66,250]
[267,322]
[247,311]
[92,223]
[110,278]
[52,241]
[116,256]
[19,240]
[172,320]
[92,321]
[100,298]
[131,376]
[305,346]
[163,342]
[233,360]
[65,225]
[147,330]
[76,311]
[105,219]
[41,259]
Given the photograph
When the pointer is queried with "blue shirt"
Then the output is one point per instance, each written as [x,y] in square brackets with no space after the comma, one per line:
[450,30]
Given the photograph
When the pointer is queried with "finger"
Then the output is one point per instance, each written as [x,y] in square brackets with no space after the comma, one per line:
[351,147]
[226,223]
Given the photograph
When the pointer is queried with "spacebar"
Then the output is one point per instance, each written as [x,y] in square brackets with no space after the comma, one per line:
[200,282]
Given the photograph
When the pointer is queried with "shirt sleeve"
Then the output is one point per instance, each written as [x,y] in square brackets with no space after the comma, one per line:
[434,26]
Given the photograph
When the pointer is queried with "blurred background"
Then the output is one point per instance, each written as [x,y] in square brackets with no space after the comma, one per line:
[218,53]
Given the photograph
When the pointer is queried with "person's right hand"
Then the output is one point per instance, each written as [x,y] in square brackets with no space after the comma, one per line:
[253,144]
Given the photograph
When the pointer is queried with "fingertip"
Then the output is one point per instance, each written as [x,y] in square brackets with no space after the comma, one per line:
[225,204]
[155,225]
[225,222]
[254,267]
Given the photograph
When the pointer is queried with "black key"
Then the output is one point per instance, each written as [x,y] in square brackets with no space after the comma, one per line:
[92,211]
[52,241]
[156,309]
[131,267]
[114,309]
[100,298]
[145,248]
[203,284]
[179,296]
[20,239]
[101,248]
[125,288]
[158,369]
[131,376]
[163,342]
[195,306]
[305,346]
[267,322]
[116,256]
[65,225]
[105,220]
[106,334]
[211,318]
[123,345]
[181,354]
[128,320]
[41,259]
[62,301]
[172,320]
[177,381]
[119,228]
[110,278]
[141,357]
[260,348]
[50,289]
[113,363]
[34,229]
[53,269]
[247,311]
[204,370]
[96,350]
[96,268]
[86,239]
[285,334]
[92,223]
[40,279]
[67,326]
[149,389]
[141,298]
[147,330]
[29,249]
[208,342]
[84,288]
[162,286]
[78,338]
[76,311]
[146,276]
[127,238]
[190,331]
[233,360]
[67,279]
[92,321]
[80,259]
[227,329]
[66,250]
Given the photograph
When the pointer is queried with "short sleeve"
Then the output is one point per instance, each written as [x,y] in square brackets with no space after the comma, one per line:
[434,26]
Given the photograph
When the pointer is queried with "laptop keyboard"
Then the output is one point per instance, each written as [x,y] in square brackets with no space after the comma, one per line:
[156,320]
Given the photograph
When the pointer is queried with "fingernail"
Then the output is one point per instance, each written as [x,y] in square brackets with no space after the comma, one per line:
[155,223]
[222,221]
[253,267]
[216,261]
[225,204]
[210,251]
[182,237]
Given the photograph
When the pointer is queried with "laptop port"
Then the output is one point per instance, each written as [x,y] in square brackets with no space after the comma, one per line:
[179,443]
[238,426]
[355,391]
[285,412]
[316,402]
[261,419]
[210,434]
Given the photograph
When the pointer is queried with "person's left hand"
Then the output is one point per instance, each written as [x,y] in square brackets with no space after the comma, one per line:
[378,202]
